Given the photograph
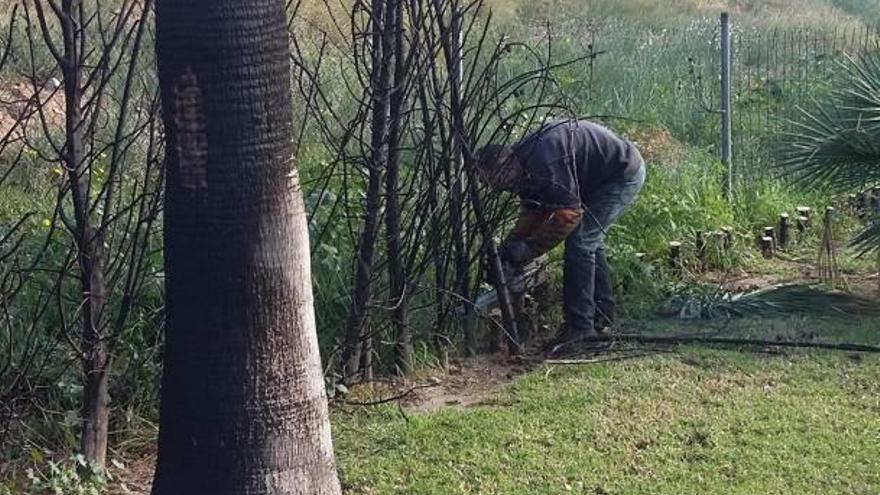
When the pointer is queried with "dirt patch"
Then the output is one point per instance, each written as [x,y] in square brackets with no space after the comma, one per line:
[469,383]
[740,281]
[20,102]
[797,273]
[868,286]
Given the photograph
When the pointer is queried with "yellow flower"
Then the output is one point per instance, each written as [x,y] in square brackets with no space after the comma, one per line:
[47,223]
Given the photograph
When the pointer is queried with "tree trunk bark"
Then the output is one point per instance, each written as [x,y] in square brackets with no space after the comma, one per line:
[457,109]
[358,339]
[462,264]
[396,268]
[89,246]
[96,361]
[243,406]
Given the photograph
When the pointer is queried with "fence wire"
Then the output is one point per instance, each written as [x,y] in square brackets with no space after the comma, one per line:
[774,75]
[671,78]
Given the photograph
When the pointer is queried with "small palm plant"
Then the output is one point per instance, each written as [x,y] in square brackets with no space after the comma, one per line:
[835,145]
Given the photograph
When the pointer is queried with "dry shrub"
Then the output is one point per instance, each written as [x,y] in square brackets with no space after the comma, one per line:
[19,102]
[657,145]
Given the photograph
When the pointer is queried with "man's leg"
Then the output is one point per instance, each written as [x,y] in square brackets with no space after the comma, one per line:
[587,275]
[604,292]
[578,281]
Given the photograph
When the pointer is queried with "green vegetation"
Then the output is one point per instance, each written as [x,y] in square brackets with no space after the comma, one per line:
[694,420]
[690,419]
[834,141]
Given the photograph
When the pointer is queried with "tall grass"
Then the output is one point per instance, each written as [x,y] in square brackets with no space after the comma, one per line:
[644,76]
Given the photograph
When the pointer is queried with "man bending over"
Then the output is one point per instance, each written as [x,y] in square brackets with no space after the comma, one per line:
[574,179]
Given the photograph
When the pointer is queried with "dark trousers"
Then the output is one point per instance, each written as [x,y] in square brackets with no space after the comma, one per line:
[587,288]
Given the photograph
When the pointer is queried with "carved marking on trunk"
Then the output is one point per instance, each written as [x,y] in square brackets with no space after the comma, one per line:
[293,177]
[192,138]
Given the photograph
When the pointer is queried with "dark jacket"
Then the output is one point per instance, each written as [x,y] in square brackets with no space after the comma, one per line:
[567,159]
[564,161]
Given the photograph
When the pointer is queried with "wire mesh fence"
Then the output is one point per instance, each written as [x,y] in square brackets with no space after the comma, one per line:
[666,76]
[673,77]
[775,75]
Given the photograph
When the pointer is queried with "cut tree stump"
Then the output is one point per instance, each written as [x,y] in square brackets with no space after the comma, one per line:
[766,244]
[702,252]
[784,231]
[675,257]
[803,223]
[807,213]
[771,233]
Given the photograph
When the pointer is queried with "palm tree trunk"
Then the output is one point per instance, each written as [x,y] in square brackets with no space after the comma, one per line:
[243,406]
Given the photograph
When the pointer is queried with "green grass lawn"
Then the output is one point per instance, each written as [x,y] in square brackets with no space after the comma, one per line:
[679,421]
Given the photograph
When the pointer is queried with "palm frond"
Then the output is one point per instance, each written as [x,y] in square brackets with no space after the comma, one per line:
[868,240]
[711,302]
[801,299]
[835,144]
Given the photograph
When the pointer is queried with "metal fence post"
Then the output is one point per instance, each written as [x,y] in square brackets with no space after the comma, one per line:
[726,131]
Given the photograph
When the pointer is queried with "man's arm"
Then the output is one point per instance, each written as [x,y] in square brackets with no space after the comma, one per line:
[537,231]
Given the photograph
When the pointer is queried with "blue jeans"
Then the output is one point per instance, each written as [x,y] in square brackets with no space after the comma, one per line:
[587,288]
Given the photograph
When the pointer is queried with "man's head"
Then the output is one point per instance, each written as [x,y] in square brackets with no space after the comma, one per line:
[498,167]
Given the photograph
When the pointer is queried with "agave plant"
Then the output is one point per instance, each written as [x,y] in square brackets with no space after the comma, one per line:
[835,144]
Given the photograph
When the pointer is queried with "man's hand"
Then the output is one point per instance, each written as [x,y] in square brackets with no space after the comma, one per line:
[514,252]
[507,269]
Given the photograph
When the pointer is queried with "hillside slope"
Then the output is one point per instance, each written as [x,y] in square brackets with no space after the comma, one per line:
[665,12]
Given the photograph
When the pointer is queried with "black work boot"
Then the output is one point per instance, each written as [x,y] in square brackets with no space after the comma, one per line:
[566,336]
[572,342]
